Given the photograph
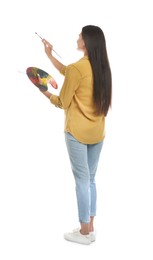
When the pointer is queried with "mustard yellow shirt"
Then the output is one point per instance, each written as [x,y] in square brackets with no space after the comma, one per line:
[76,98]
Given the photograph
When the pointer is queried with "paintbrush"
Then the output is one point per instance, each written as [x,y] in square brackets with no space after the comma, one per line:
[42,39]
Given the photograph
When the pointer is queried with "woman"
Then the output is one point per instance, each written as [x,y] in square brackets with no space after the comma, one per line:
[86,98]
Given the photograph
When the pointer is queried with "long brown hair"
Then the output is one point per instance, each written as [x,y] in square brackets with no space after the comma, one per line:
[95,44]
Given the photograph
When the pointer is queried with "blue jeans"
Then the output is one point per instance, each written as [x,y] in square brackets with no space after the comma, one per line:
[84,161]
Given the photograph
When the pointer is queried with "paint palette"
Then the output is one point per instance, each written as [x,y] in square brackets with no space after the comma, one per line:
[40,78]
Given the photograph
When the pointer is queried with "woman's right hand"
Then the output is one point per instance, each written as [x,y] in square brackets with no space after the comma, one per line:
[48,48]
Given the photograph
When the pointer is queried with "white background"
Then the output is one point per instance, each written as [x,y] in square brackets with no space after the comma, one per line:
[37,193]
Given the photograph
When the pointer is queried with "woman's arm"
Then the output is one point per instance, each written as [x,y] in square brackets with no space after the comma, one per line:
[46,93]
[56,100]
[48,49]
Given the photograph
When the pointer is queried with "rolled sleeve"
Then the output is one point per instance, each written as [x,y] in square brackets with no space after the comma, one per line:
[63,70]
[55,100]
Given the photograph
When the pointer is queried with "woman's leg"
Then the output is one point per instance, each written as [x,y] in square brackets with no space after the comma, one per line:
[93,159]
[79,163]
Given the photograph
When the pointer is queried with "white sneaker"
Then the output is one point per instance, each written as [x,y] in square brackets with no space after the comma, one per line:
[92,236]
[77,237]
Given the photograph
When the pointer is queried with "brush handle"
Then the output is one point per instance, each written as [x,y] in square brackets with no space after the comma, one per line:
[57,53]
